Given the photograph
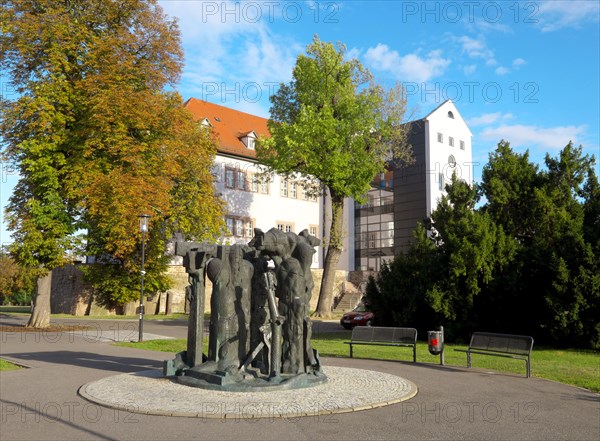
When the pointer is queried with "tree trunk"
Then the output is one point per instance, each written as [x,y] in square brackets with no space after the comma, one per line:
[40,316]
[334,250]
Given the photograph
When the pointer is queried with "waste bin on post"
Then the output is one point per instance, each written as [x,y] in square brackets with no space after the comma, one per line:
[435,343]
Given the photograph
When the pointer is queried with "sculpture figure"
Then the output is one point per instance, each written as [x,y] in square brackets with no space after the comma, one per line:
[260,330]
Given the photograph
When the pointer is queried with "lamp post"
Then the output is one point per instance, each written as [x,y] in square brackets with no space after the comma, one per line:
[144,230]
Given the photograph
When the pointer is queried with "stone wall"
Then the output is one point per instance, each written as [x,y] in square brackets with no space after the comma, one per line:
[360,278]
[71,295]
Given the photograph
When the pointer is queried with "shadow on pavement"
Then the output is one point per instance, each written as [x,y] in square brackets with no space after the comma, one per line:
[90,360]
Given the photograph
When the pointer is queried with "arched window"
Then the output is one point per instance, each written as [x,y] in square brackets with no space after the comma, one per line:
[450,114]
[451,161]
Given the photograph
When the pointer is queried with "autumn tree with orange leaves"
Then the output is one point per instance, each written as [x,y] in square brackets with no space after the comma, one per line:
[99,139]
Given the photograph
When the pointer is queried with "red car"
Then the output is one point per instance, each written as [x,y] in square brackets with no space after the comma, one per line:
[359,316]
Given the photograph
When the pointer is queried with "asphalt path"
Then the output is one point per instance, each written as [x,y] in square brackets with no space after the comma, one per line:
[41,402]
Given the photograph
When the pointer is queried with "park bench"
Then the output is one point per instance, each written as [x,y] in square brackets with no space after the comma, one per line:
[383,336]
[501,345]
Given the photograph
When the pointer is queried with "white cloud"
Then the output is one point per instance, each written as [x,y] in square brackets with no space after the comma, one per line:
[518,62]
[476,48]
[553,15]
[551,138]
[410,67]
[489,118]
[226,49]
[470,69]
[352,53]
[480,24]
[501,70]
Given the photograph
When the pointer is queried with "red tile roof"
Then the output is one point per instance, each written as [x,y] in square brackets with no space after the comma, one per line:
[229,126]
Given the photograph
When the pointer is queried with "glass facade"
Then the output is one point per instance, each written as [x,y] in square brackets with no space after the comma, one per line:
[374,227]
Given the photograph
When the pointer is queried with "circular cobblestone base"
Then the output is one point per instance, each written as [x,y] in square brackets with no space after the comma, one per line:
[346,390]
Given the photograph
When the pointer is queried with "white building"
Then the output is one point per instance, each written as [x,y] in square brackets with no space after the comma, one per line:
[441,143]
[376,230]
[252,202]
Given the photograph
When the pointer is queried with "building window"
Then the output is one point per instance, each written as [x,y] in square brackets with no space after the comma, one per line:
[229,225]
[293,191]
[284,187]
[441,181]
[312,230]
[286,227]
[373,240]
[264,185]
[451,141]
[229,178]
[451,161]
[450,114]
[249,228]
[239,228]
[304,194]
[250,143]
[254,183]
[440,137]
[462,145]
[241,180]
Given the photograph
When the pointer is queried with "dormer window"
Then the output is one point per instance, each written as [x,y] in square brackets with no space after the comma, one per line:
[450,114]
[249,139]
[205,123]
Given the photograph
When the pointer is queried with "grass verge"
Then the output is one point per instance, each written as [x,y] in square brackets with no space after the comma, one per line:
[8,366]
[26,310]
[575,367]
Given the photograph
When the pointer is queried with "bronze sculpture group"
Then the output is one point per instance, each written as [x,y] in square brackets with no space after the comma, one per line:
[260,329]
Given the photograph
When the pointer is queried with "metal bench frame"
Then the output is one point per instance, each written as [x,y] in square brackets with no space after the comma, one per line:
[384,336]
[501,345]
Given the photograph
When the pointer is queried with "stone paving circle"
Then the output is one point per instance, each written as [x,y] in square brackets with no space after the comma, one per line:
[346,390]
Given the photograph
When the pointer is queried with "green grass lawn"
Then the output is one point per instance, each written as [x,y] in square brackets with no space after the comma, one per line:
[15,309]
[8,366]
[26,310]
[151,317]
[575,367]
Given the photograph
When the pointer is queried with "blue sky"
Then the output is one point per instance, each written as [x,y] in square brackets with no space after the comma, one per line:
[527,72]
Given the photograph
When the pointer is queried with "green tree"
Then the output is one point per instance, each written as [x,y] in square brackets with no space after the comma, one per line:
[451,265]
[509,181]
[471,249]
[99,139]
[565,265]
[17,283]
[397,295]
[332,126]
[553,216]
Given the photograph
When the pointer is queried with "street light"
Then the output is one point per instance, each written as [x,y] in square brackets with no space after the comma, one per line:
[144,229]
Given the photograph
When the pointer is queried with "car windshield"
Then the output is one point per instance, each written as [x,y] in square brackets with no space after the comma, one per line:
[360,308]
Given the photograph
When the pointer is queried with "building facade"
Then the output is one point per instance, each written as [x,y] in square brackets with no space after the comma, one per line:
[253,201]
[376,230]
[441,143]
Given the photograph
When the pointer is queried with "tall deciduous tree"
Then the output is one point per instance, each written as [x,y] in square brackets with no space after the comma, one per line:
[334,127]
[16,282]
[98,139]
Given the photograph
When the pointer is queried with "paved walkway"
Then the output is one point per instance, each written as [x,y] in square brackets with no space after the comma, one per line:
[42,403]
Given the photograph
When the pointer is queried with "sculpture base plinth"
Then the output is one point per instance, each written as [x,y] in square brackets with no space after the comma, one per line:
[247,381]
[207,375]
